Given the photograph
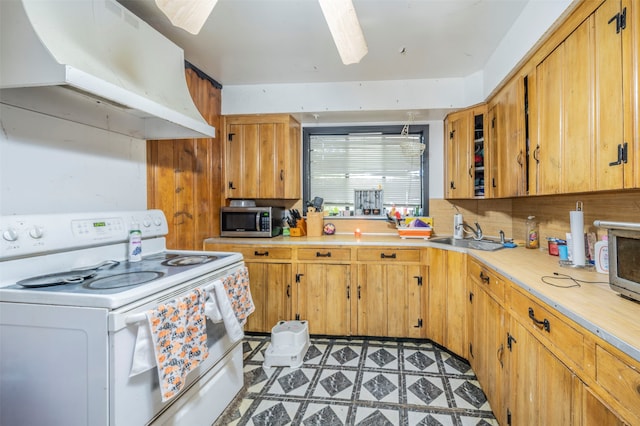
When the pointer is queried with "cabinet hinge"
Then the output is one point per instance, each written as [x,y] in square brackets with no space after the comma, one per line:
[451,133]
[298,276]
[510,340]
[508,417]
[297,317]
[230,136]
[419,325]
[419,278]
[620,20]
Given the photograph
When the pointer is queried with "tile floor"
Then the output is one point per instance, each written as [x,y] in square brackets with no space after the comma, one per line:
[359,382]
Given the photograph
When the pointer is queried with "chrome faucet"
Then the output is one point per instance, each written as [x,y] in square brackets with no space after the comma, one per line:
[477,232]
[501,236]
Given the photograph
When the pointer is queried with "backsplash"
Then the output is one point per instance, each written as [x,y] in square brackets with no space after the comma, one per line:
[551,212]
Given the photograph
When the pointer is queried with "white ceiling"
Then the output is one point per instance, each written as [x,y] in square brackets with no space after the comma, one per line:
[287,41]
[248,42]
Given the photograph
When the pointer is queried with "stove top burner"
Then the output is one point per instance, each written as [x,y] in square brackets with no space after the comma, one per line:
[189,260]
[127,279]
[59,278]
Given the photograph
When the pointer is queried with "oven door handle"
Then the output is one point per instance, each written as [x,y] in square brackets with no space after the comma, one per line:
[141,316]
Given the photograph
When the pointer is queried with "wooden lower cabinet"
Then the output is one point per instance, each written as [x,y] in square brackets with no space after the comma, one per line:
[323,293]
[271,291]
[389,300]
[597,413]
[542,391]
[446,322]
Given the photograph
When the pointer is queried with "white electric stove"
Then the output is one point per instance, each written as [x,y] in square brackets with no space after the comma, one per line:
[70,306]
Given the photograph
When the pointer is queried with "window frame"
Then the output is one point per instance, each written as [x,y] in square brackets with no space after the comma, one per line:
[417,129]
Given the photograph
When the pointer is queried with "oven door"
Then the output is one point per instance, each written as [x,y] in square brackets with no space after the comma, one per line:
[136,400]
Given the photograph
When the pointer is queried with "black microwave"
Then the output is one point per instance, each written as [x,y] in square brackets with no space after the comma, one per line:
[256,222]
[624,257]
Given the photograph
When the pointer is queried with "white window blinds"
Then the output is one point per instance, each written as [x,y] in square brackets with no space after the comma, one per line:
[340,164]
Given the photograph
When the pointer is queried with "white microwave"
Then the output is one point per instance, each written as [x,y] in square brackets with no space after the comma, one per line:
[624,257]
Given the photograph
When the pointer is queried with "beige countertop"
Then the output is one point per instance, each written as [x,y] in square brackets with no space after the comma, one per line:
[593,305]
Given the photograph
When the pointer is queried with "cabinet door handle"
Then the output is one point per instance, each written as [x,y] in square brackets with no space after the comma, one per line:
[519,158]
[288,290]
[499,355]
[387,256]
[544,324]
[327,254]
[348,292]
[281,174]
[260,253]
[358,292]
[493,182]
[484,278]
[470,174]
[536,154]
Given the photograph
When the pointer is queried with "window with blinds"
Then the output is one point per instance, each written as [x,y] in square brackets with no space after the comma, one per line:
[341,163]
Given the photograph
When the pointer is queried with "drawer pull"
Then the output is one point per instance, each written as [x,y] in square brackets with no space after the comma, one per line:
[327,254]
[387,256]
[484,278]
[542,324]
[260,253]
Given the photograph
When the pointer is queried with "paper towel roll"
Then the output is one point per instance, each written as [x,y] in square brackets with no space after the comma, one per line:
[577,236]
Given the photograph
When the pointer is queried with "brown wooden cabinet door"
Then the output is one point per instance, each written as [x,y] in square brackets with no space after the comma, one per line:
[549,143]
[459,170]
[542,388]
[456,296]
[436,309]
[271,292]
[404,300]
[508,118]
[609,101]
[323,297]
[372,303]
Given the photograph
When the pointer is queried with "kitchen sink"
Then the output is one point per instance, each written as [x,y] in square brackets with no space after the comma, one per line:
[484,244]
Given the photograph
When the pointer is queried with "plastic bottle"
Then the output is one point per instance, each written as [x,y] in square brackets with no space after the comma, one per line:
[532,241]
[135,245]
[602,255]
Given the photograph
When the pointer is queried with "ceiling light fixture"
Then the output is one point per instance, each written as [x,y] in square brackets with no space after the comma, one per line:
[345,29]
[190,15]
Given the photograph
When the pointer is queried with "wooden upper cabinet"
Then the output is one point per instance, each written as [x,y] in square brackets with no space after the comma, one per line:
[562,152]
[614,68]
[506,124]
[584,107]
[465,153]
[262,157]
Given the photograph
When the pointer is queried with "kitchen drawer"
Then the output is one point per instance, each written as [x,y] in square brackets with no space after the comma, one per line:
[491,282]
[620,378]
[389,255]
[264,253]
[548,327]
[324,254]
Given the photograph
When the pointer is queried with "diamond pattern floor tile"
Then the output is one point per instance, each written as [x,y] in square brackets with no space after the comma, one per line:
[359,381]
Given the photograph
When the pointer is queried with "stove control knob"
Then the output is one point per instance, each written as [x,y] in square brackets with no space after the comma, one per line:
[157,221]
[36,232]
[146,222]
[10,234]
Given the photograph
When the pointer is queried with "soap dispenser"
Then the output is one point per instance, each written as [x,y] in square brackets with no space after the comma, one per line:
[458,230]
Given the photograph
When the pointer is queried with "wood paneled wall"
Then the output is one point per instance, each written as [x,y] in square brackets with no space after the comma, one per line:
[184,176]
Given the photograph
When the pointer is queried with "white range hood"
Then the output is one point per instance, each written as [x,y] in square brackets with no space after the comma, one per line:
[94,62]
